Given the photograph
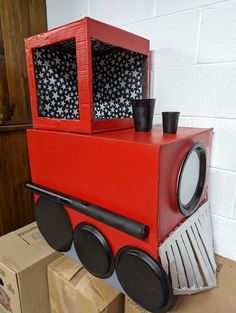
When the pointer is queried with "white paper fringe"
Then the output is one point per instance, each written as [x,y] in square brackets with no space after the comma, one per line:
[187,255]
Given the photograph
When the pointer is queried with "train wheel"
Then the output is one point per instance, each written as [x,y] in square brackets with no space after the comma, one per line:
[93,250]
[144,280]
[54,224]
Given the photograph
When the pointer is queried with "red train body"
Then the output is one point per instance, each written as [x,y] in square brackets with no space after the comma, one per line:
[133,174]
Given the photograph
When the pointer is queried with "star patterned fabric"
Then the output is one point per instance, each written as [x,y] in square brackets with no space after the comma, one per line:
[118,76]
[56,80]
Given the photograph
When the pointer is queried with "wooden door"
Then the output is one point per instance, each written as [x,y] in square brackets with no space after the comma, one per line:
[5,113]
[18,19]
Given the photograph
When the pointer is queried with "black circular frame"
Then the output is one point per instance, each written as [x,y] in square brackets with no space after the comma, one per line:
[54,224]
[93,250]
[191,206]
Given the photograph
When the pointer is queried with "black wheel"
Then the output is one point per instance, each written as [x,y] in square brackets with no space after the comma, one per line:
[144,280]
[54,224]
[93,250]
[191,179]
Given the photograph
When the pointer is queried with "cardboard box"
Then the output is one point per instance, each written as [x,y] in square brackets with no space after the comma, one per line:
[87,46]
[73,290]
[23,271]
[218,300]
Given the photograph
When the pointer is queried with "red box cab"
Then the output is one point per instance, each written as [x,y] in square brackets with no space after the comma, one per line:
[83,75]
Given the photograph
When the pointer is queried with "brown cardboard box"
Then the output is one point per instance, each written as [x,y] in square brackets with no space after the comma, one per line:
[23,271]
[73,290]
[221,299]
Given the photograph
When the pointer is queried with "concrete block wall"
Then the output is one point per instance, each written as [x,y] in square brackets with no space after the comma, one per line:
[193,46]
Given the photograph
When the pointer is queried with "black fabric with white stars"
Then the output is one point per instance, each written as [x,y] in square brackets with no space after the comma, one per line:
[118,76]
[99,46]
[56,80]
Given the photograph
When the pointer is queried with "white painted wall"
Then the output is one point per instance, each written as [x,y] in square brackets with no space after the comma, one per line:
[60,12]
[193,70]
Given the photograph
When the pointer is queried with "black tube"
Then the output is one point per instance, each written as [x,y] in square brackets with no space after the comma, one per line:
[129,226]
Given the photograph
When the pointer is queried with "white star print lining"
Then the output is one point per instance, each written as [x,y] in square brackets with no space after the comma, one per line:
[119,75]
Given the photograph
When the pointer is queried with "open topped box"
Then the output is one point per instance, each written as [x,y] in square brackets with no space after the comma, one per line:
[83,75]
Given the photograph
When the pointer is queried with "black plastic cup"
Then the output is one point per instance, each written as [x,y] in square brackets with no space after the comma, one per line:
[143,110]
[170,122]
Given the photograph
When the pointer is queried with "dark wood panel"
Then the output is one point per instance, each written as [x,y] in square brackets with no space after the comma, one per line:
[5,112]
[38,16]
[22,199]
[20,19]
[12,126]
[16,203]
[5,186]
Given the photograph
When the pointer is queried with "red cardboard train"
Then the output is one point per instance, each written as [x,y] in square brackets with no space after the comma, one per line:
[108,193]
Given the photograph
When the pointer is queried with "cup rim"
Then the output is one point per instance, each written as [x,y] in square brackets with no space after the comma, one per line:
[144,99]
[170,112]
[143,102]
